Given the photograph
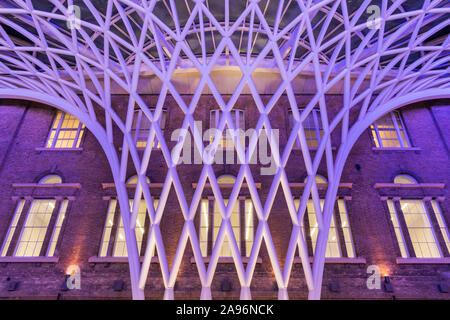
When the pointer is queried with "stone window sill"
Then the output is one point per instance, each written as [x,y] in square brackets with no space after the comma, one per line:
[29,259]
[227,260]
[396,149]
[117,259]
[405,185]
[59,149]
[142,149]
[423,260]
[348,185]
[228,185]
[108,185]
[311,148]
[53,185]
[358,260]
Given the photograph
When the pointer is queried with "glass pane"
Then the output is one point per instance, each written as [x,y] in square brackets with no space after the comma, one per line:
[35,228]
[420,229]
[51,179]
[120,248]
[234,219]
[108,228]
[333,239]
[391,135]
[57,228]
[397,228]
[346,228]
[12,227]
[441,222]
[66,130]
[404,179]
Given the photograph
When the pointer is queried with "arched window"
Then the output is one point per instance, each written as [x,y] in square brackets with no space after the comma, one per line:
[209,210]
[39,229]
[335,244]
[113,240]
[419,231]
[404,179]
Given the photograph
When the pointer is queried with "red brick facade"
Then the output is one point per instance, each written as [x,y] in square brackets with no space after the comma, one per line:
[24,126]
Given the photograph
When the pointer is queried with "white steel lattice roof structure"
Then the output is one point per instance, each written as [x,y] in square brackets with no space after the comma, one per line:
[75,63]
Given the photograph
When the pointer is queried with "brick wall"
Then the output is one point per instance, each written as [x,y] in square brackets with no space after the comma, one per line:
[24,126]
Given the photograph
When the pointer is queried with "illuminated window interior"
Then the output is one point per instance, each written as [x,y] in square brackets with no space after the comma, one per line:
[120,247]
[134,180]
[66,132]
[418,224]
[235,224]
[12,227]
[204,226]
[319,180]
[441,222]
[420,230]
[247,232]
[389,132]
[404,179]
[333,248]
[397,229]
[36,226]
[113,240]
[57,228]
[51,179]
[334,243]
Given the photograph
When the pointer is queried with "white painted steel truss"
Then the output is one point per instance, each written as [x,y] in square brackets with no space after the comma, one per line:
[120,41]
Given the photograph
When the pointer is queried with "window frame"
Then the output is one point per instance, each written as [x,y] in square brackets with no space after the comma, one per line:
[136,127]
[210,228]
[207,208]
[442,223]
[21,214]
[395,120]
[316,118]
[80,133]
[112,204]
[23,227]
[431,227]
[116,226]
[404,252]
[13,225]
[57,228]
[338,228]
[408,234]
[233,227]
[121,227]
